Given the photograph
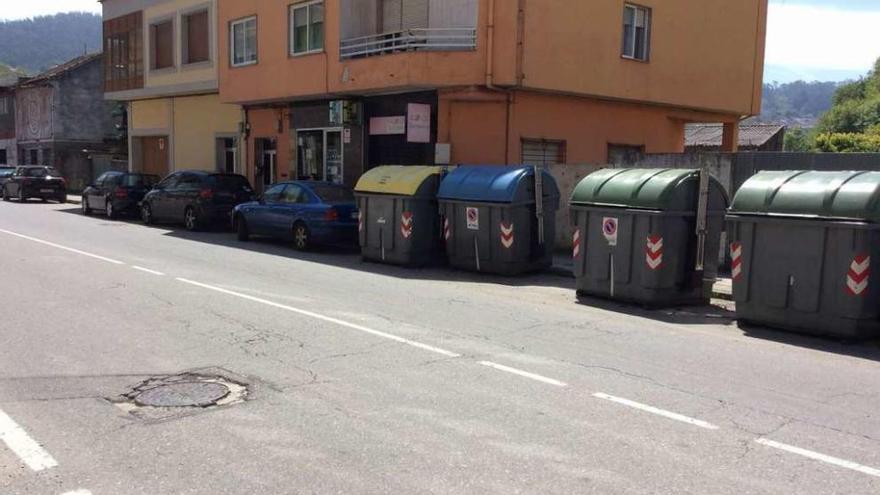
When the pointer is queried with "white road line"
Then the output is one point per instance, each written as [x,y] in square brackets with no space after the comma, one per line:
[25,447]
[328,319]
[526,374]
[654,410]
[78,492]
[147,270]
[59,246]
[835,461]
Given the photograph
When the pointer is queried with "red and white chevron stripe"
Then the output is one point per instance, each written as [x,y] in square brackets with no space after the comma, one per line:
[576,244]
[507,235]
[857,277]
[360,221]
[654,252]
[736,251]
[447,232]
[406,224]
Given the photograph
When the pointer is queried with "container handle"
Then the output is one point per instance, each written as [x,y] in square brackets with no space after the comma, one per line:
[539,201]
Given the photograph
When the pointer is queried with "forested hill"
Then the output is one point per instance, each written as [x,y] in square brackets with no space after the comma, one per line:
[797,104]
[34,45]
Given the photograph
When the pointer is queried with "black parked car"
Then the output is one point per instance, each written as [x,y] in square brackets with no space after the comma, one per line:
[195,198]
[35,182]
[116,193]
[5,174]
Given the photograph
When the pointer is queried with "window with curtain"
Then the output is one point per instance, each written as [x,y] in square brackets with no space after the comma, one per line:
[243,40]
[307,28]
[197,35]
[636,32]
[162,45]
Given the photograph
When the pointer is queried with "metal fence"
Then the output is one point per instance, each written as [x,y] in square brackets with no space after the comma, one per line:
[438,39]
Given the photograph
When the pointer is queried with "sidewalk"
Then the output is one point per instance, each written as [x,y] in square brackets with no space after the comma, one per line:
[74,200]
[563,266]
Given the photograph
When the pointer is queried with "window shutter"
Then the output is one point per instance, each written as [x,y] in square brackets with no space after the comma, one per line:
[542,152]
[392,12]
[414,14]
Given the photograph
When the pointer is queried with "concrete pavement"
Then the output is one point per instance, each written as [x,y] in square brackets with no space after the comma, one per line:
[372,379]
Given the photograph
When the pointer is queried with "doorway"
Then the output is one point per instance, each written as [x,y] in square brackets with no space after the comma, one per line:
[320,155]
[154,155]
[266,154]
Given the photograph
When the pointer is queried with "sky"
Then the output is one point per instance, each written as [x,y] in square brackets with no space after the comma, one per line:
[821,39]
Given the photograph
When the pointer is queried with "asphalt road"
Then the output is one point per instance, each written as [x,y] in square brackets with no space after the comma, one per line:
[364,378]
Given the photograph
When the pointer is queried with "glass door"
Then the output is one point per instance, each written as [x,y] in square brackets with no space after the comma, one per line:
[333,140]
[310,155]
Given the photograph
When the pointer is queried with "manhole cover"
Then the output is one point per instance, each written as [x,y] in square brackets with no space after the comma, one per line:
[185,394]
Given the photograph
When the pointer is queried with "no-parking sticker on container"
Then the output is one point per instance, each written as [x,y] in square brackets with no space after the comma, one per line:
[609,230]
[473,218]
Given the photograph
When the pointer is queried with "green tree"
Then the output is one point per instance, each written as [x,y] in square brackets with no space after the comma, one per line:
[799,140]
[853,122]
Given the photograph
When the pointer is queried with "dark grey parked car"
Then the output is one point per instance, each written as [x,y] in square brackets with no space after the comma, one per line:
[117,193]
[195,198]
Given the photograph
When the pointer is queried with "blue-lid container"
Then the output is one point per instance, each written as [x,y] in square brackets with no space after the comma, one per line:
[495,184]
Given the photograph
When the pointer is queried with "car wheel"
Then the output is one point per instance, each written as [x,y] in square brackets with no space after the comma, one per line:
[111,212]
[191,219]
[85,206]
[147,214]
[301,237]
[241,229]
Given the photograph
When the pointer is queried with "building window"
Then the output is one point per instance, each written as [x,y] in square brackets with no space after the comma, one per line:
[3,158]
[243,40]
[307,28]
[543,152]
[162,45]
[123,53]
[34,156]
[4,106]
[636,32]
[196,38]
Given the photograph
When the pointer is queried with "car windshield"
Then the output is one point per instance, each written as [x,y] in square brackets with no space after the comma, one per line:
[333,194]
[229,182]
[41,172]
[139,180]
[6,171]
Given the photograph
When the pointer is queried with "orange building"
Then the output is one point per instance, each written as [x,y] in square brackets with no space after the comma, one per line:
[331,88]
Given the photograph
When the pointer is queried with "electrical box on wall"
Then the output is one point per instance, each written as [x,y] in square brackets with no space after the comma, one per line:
[442,153]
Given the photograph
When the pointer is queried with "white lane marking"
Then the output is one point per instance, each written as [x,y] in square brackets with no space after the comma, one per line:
[78,492]
[654,410]
[59,246]
[147,270]
[328,319]
[25,447]
[526,374]
[816,456]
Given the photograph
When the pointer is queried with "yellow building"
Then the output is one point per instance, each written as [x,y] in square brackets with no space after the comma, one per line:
[161,56]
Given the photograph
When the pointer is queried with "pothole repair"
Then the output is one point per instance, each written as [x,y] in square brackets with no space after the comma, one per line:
[164,396]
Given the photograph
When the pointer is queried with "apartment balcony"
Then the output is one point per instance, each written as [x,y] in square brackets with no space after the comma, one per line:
[409,40]
[381,27]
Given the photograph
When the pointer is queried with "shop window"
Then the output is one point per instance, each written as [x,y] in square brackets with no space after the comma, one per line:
[243,40]
[543,152]
[162,45]
[3,158]
[636,32]
[197,32]
[307,28]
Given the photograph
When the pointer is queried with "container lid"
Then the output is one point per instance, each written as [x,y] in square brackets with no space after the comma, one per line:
[401,180]
[493,184]
[833,195]
[650,189]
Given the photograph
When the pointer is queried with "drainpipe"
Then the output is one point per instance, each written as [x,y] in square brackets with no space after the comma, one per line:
[490,75]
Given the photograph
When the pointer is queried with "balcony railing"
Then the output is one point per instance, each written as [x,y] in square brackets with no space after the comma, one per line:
[437,39]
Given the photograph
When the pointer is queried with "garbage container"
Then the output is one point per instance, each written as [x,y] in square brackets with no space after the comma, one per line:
[648,236]
[495,222]
[399,223]
[801,245]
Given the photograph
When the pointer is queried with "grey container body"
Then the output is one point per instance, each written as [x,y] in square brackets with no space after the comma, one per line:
[808,276]
[504,240]
[654,260]
[401,230]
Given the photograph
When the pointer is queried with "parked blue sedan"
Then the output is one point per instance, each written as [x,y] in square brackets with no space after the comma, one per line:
[305,212]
